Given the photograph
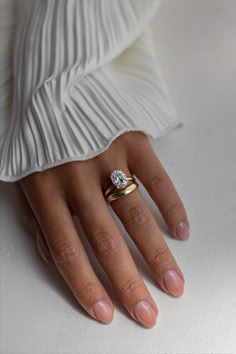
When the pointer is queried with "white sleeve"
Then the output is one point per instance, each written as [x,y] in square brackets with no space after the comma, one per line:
[84,72]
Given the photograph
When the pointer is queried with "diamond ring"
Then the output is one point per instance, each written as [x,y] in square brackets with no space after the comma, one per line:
[119,181]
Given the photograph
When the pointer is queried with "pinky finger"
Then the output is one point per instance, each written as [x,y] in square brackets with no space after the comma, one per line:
[149,170]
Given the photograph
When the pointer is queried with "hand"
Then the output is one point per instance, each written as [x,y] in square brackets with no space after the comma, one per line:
[51,197]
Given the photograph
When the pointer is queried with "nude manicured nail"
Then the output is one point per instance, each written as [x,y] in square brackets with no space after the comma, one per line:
[145,314]
[103,311]
[173,283]
[42,251]
[182,231]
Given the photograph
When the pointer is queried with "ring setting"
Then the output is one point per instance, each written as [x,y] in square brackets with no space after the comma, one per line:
[120,183]
[119,179]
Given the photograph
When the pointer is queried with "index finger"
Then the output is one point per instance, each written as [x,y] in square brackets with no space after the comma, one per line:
[70,256]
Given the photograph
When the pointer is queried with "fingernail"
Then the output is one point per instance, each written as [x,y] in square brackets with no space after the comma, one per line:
[182,231]
[145,314]
[42,250]
[103,311]
[173,283]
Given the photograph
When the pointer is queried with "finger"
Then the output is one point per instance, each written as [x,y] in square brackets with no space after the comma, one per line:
[32,224]
[70,256]
[146,166]
[139,222]
[114,256]
[27,214]
[42,247]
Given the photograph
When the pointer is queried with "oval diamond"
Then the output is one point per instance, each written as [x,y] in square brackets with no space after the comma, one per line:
[119,178]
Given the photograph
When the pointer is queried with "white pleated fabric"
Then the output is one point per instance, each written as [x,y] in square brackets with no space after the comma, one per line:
[74,75]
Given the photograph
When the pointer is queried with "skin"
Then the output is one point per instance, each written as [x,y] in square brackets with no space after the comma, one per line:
[50,199]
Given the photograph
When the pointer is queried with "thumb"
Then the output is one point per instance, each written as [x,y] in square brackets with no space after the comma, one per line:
[30,221]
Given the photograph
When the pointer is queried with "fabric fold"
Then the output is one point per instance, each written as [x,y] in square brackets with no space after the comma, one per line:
[84,72]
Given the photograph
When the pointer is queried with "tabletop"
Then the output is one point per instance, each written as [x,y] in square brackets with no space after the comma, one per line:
[195,45]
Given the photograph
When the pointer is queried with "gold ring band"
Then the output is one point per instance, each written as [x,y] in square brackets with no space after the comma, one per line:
[109,189]
[120,194]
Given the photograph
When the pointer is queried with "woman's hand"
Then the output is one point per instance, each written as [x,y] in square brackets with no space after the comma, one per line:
[49,199]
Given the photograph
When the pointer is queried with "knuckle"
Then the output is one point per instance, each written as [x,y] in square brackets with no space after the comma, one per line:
[64,253]
[131,288]
[41,185]
[88,291]
[173,209]
[105,243]
[136,215]
[159,181]
[160,260]
[131,137]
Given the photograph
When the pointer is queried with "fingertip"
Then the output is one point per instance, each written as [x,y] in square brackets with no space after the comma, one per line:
[173,283]
[103,311]
[145,314]
[182,231]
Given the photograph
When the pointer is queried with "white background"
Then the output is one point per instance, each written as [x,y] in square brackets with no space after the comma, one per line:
[196,43]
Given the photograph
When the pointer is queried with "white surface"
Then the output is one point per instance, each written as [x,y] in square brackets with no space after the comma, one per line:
[196,41]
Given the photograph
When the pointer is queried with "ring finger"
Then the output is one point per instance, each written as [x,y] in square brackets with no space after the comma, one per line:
[140,224]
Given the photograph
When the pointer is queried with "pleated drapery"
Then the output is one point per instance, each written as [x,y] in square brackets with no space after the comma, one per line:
[76,74]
